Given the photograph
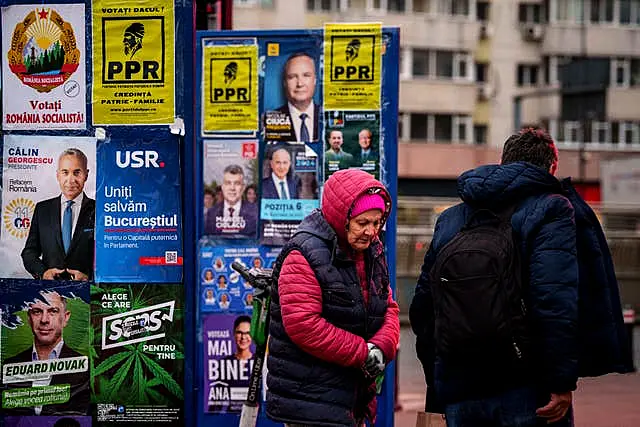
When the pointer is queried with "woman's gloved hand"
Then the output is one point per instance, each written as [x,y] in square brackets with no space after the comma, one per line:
[374,365]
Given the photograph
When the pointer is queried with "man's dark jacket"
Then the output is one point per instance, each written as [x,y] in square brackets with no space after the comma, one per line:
[248,211]
[269,190]
[313,132]
[44,249]
[543,225]
[604,343]
[303,389]
[78,403]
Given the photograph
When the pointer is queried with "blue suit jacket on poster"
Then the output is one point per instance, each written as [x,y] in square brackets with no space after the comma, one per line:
[269,190]
[248,211]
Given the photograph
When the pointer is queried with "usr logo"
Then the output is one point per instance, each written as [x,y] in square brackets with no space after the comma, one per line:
[138,159]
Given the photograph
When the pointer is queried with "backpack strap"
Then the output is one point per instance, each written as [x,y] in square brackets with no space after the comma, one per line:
[485,216]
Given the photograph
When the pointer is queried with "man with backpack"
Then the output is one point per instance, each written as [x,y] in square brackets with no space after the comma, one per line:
[496,305]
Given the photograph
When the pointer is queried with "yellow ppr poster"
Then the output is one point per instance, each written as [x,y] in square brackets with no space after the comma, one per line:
[353,61]
[230,88]
[133,70]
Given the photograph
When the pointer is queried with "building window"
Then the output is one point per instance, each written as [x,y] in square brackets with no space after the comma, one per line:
[629,133]
[396,5]
[453,7]
[439,127]
[570,132]
[481,72]
[421,62]
[600,132]
[530,13]
[602,11]
[422,6]
[527,74]
[323,5]
[570,11]
[620,73]
[635,72]
[629,12]
[480,134]
[482,11]
[419,126]
[441,64]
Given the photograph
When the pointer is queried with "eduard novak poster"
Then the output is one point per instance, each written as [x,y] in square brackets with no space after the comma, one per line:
[43,66]
[138,211]
[137,360]
[133,69]
[45,347]
[42,235]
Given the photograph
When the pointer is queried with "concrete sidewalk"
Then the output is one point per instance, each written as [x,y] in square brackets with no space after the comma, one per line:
[608,401]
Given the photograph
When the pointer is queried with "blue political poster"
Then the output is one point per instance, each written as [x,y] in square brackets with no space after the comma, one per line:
[138,216]
[222,289]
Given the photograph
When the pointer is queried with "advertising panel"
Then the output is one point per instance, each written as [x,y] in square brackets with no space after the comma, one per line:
[138,353]
[228,356]
[43,66]
[291,92]
[133,62]
[45,348]
[43,236]
[230,91]
[289,188]
[353,65]
[139,234]
[352,141]
[222,289]
[230,176]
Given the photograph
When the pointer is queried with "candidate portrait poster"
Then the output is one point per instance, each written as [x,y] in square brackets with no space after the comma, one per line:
[230,87]
[230,171]
[45,348]
[222,289]
[352,140]
[139,233]
[228,359]
[291,91]
[133,62]
[289,188]
[38,172]
[353,66]
[138,353]
[43,66]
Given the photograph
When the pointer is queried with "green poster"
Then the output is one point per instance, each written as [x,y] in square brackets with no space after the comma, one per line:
[137,357]
[44,347]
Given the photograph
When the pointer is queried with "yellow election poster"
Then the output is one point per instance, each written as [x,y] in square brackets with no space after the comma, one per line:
[133,51]
[353,59]
[230,88]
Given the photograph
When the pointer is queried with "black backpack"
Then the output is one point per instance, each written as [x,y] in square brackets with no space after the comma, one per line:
[477,286]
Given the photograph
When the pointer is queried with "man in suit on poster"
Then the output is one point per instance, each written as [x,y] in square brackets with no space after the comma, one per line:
[282,183]
[299,82]
[47,319]
[60,244]
[232,216]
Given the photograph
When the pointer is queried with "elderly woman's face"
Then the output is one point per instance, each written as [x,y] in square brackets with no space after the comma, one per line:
[363,229]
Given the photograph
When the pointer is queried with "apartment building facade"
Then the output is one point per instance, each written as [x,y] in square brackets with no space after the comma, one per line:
[464,63]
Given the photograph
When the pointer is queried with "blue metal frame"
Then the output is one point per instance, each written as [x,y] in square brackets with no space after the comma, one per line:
[193,205]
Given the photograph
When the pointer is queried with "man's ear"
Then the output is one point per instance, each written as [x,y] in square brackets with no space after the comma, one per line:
[554,167]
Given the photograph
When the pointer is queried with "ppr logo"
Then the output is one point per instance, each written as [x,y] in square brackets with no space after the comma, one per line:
[138,159]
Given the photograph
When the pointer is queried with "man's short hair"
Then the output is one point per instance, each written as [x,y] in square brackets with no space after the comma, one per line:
[291,58]
[234,170]
[209,192]
[531,145]
[77,153]
[241,319]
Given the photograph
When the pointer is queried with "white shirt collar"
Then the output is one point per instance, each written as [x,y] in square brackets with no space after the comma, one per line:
[77,200]
[277,182]
[236,208]
[297,122]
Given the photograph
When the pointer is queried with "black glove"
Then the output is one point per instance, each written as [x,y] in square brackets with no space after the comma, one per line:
[374,365]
